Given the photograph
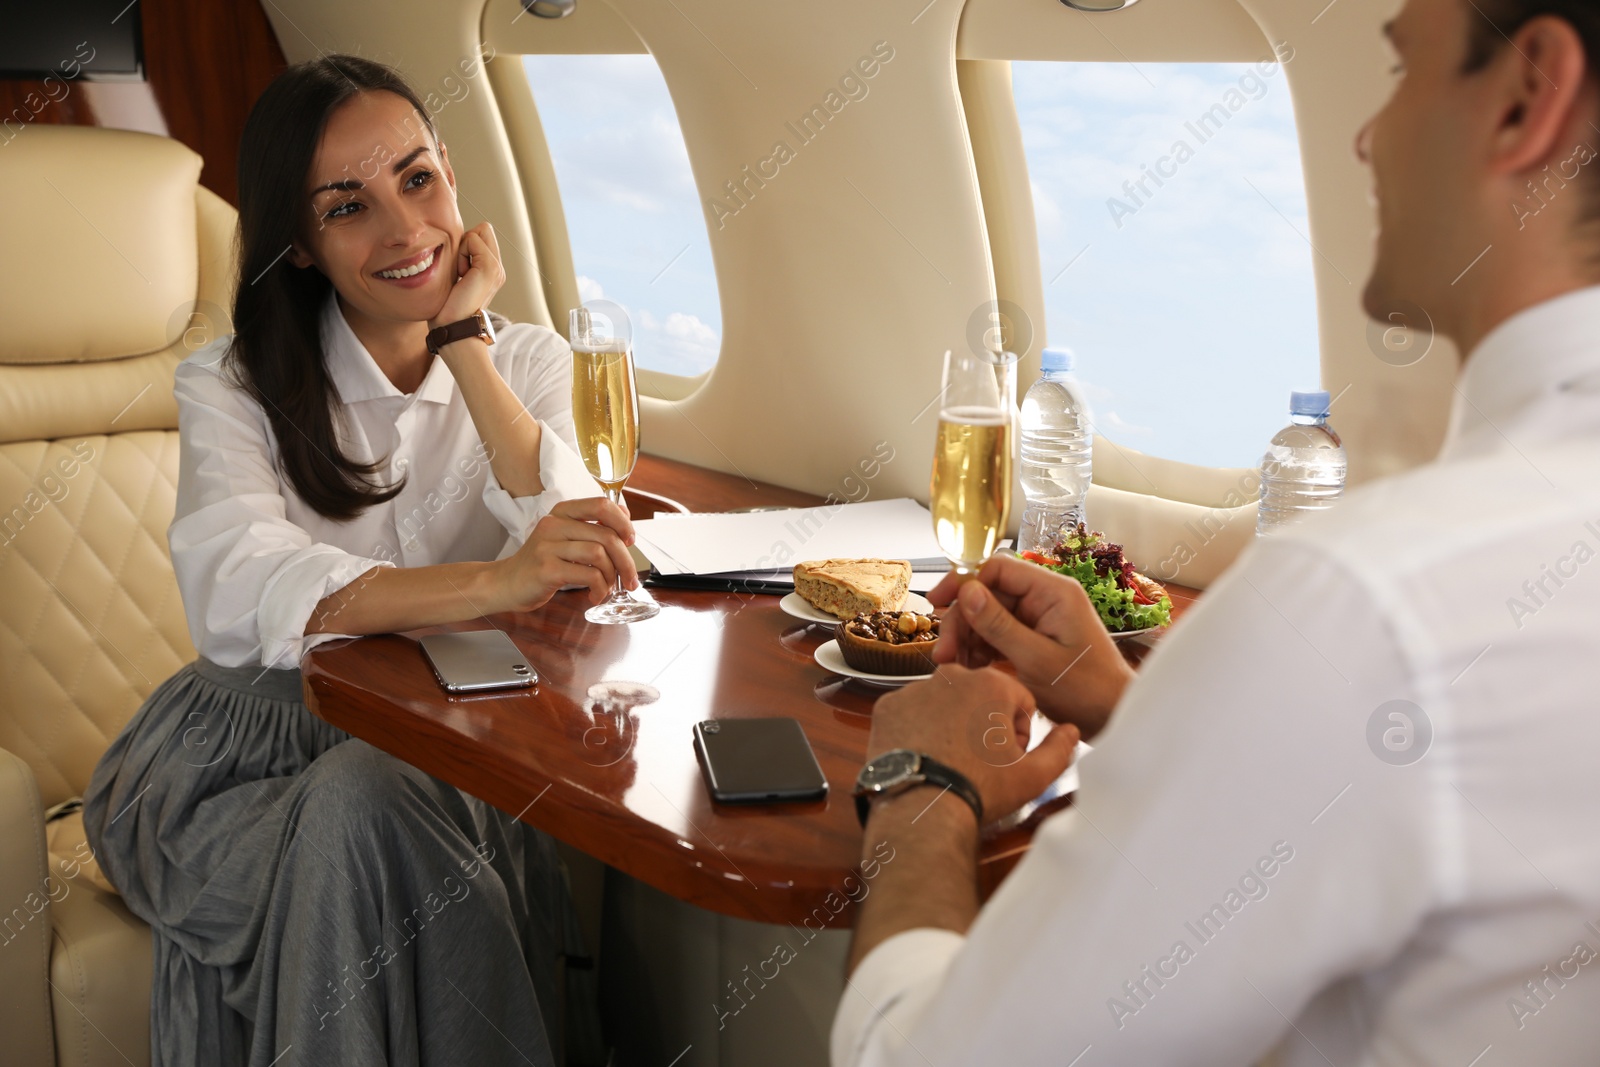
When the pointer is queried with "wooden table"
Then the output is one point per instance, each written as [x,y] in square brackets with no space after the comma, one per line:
[623,785]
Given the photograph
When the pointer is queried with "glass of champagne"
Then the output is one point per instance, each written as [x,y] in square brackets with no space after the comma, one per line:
[970,494]
[605,413]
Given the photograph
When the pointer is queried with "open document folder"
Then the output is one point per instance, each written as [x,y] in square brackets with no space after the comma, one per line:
[757,551]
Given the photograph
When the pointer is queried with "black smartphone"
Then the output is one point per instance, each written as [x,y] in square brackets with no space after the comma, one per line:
[754,761]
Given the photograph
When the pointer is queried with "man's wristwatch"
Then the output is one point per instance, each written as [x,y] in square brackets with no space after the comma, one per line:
[900,769]
[475,325]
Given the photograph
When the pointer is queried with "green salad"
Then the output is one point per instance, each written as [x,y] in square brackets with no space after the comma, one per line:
[1125,599]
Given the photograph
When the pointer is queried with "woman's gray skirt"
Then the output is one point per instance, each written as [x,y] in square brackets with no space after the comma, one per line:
[307,891]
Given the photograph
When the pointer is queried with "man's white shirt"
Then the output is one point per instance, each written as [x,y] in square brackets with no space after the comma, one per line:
[253,560]
[1349,806]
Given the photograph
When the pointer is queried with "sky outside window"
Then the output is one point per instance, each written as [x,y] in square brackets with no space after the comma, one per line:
[633,215]
[1189,300]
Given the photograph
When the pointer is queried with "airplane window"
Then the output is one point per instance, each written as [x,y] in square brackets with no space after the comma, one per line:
[633,214]
[1175,249]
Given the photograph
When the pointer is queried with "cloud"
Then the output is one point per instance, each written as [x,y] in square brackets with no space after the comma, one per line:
[1115,426]
[613,133]
[1157,310]
[632,207]
[679,344]
[690,329]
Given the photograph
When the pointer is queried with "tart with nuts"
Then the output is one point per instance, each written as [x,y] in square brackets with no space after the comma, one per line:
[889,642]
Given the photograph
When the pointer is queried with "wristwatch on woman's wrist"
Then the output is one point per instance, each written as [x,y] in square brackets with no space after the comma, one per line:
[475,325]
[901,769]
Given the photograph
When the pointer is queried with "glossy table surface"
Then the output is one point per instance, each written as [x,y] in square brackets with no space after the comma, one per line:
[610,769]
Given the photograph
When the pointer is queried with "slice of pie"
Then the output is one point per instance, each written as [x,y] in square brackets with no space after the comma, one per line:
[845,588]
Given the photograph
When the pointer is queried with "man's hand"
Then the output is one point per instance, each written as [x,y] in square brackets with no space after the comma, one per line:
[1045,625]
[976,722]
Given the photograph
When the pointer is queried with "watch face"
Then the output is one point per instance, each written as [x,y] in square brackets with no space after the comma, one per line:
[889,769]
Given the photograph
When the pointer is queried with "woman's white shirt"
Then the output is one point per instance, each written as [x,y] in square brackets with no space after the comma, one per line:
[253,560]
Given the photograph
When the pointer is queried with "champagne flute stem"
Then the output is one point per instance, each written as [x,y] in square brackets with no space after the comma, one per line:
[614,495]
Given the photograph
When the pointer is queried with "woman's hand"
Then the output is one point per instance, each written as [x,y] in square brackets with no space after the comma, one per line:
[1045,625]
[479,275]
[580,542]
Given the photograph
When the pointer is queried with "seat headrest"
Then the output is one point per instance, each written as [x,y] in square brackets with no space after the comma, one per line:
[99,229]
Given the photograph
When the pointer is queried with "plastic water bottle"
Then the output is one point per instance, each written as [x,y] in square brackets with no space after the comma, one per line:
[1055,453]
[1304,467]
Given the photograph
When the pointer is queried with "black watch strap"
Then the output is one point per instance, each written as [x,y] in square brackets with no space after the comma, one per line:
[472,326]
[941,776]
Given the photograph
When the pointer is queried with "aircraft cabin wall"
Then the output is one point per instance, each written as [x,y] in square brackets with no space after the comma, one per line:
[843,278]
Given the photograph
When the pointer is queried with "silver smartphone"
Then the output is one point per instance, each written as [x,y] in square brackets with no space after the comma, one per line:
[477,659]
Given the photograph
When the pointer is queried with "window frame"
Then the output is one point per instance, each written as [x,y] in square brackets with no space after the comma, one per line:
[530,152]
[1185,522]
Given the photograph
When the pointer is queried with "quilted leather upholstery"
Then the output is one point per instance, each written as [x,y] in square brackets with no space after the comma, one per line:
[138,269]
[90,621]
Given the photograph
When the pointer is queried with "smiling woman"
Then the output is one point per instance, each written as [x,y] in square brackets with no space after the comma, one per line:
[355,459]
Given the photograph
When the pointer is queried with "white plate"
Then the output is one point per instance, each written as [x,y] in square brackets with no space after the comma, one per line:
[796,605]
[829,658]
[1135,633]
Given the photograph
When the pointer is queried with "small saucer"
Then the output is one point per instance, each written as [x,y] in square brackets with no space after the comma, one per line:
[796,605]
[829,658]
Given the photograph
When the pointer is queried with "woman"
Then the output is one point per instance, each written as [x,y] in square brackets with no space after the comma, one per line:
[340,477]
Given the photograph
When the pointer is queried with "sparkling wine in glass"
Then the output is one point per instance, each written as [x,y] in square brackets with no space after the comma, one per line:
[970,493]
[605,413]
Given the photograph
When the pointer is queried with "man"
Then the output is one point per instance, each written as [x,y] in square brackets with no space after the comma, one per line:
[1348,807]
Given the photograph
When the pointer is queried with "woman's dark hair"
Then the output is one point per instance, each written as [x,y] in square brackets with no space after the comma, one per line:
[277,354]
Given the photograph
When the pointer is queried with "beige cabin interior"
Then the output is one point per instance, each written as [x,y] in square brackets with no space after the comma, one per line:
[825,300]
[813,280]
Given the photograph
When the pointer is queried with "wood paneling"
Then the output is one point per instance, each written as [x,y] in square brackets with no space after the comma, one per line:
[206,61]
[23,103]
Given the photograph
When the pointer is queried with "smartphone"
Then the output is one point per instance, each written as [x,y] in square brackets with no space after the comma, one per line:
[477,659]
[754,761]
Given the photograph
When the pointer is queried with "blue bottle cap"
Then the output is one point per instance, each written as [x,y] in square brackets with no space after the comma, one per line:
[1314,404]
[1057,361]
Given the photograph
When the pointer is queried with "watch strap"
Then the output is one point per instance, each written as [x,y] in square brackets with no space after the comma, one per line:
[475,325]
[939,775]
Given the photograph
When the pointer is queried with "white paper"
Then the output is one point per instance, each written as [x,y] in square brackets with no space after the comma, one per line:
[769,540]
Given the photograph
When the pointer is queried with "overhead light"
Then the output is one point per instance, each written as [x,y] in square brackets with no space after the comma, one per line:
[1099,5]
[552,9]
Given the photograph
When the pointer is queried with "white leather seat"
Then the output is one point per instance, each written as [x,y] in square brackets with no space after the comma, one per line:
[117,265]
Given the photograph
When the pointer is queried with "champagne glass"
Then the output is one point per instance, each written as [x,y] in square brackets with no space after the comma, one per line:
[605,412]
[970,493]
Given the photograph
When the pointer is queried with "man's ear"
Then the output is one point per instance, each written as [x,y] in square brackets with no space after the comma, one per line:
[1541,81]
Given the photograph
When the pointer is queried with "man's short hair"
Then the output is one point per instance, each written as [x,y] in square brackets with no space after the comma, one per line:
[1493,22]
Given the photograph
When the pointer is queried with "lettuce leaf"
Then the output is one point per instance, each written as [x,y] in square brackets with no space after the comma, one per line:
[1116,605]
